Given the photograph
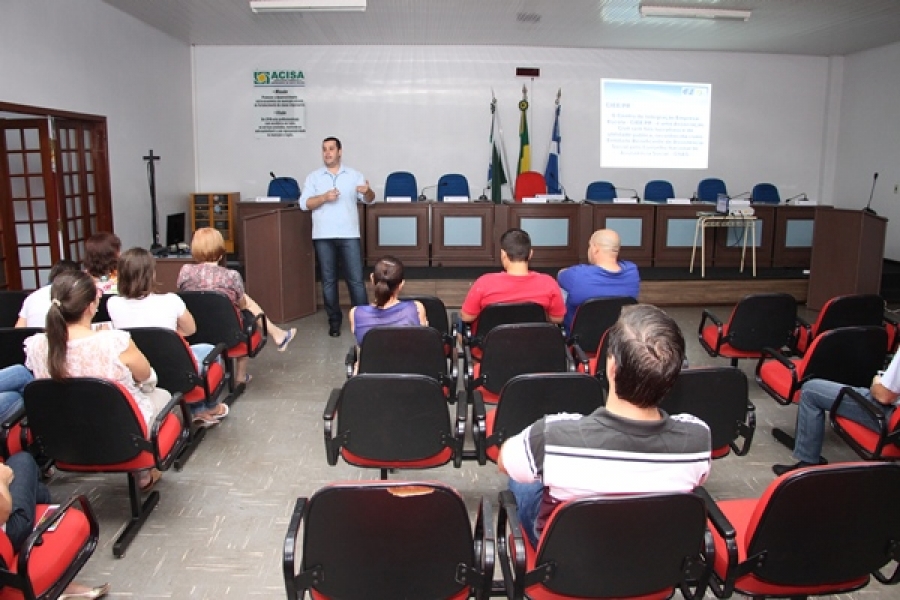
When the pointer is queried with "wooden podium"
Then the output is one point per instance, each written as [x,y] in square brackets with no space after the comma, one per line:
[847,254]
[280,264]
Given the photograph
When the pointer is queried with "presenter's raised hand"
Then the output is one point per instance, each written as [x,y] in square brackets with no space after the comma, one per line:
[363,189]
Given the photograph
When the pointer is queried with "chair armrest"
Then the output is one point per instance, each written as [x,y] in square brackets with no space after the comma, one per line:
[290,547]
[485,547]
[771,353]
[212,357]
[725,530]
[332,448]
[16,418]
[892,321]
[875,410]
[462,417]
[176,401]
[719,326]
[35,539]
[745,430]
[479,427]
[580,357]
[469,366]
[455,324]
[350,360]
[801,326]
[454,367]
[508,526]
[251,329]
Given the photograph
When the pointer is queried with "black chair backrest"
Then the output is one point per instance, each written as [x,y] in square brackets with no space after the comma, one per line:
[435,311]
[718,396]
[848,355]
[762,320]
[594,317]
[384,541]
[847,311]
[10,305]
[216,318]
[393,417]
[828,524]
[506,313]
[510,350]
[526,398]
[83,421]
[399,349]
[622,547]
[102,314]
[12,352]
[169,356]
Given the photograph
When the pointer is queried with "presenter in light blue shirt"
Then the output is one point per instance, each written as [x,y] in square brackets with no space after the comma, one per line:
[331,193]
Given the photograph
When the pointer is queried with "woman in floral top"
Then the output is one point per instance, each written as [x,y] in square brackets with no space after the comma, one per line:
[208,249]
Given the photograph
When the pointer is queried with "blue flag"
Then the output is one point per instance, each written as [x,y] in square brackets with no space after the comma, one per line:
[551,173]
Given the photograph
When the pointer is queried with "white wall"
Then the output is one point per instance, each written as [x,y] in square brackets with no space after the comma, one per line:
[87,57]
[426,110]
[869,140]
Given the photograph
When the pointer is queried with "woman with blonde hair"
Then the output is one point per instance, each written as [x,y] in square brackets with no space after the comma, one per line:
[208,249]
[70,347]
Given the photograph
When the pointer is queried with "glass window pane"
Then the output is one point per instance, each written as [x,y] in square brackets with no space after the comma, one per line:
[64,159]
[29,281]
[73,140]
[71,230]
[23,233]
[13,140]
[34,162]
[79,228]
[43,256]
[43,277]
[88,161]
[20,211]
[32,139]
[41,233]
[92,204]
[17,185]
[36,187]
[75,161]
[26,259]
[16,164]
[39,210]
[462,231]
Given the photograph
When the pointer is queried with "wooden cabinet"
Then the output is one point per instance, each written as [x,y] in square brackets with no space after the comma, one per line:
[217,210]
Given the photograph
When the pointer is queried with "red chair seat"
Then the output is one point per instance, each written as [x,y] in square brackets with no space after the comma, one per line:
[215,374]
[867,438]
[779,378]
[442,458]
[711,337]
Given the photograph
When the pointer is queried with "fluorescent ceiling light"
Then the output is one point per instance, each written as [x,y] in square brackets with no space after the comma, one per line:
[261,6]
[695,12]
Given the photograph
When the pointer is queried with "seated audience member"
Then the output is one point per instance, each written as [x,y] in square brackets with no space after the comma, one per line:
[13,380]
[629,446]
[37,303]
[817,397]
[70,347]
[101,260]
[137,306]
[604,275]
[208,249]
[516,283]
[21,491]
[387,281]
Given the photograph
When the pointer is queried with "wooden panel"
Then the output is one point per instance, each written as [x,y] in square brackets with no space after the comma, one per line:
[667,215]
[449,255]
[782,254]
[728,254]
[416,255]
[641,255]
[548,255]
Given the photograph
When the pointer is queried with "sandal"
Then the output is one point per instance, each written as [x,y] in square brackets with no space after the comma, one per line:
[223,412]
[89,594]
[155,475]
[205,420]
[288,337]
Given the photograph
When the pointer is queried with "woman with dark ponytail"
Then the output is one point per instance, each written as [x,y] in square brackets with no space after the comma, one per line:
[388,309]
[70,347]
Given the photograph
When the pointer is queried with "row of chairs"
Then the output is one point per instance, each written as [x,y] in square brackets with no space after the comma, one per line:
[813,532]
[402,184]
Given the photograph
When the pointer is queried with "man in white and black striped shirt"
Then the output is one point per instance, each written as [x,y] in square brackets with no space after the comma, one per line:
[629,446]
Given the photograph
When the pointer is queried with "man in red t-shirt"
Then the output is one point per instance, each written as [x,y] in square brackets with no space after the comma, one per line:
[515,283]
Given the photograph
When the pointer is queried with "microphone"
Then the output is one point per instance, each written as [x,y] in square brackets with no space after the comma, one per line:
[737,196]
[565,194]
[633,191]
[422,196]
[800,195]
[284,191]
[868,208]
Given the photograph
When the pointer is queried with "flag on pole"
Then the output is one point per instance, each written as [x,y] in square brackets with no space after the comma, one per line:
[497,169]
[524,145]
[551,173]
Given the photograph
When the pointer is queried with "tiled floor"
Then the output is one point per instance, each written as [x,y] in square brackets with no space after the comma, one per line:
[219,527]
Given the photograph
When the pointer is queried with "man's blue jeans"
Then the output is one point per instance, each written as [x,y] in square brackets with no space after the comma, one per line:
[13,380]
[816,398]
[349,252]
[26,491]
[528,503]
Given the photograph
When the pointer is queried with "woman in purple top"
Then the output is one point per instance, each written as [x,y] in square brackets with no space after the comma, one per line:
[387,281]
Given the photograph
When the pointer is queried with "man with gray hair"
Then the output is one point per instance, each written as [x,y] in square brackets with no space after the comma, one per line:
[604,275]
[630,446]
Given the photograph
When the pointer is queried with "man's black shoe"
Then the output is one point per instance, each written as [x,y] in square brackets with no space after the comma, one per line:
[782,469]
[334,329]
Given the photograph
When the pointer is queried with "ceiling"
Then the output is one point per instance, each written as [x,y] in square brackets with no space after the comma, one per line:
[812,27]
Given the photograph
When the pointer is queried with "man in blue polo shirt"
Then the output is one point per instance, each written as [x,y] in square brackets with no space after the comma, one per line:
[604,275]
[331,193]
